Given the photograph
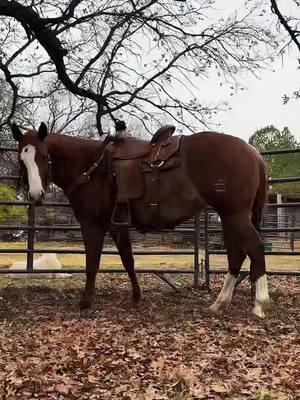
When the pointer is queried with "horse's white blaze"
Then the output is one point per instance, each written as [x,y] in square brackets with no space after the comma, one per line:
[34,180]
[261,296]
[225,295]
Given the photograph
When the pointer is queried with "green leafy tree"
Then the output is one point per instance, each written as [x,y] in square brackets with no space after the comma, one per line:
[10,213]
[279,165]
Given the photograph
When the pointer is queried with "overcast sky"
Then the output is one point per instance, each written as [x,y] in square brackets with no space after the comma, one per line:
[261,104]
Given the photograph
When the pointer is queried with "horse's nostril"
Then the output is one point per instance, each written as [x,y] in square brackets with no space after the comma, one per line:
[42,194]
[29,196]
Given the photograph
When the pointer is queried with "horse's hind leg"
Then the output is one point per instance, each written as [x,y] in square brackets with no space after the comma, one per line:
[123,244]
[236,254]
[241,238]
[258,273]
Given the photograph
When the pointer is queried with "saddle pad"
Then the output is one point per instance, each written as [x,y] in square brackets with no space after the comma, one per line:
[130,182]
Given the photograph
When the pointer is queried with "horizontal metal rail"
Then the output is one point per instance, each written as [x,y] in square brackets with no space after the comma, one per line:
[29,203]
[9,177]
[75,228]
[106,252]
[280,273]
[5,148]
[65,204]
[264,152]
[283,205]
[284,180]
[267,253]
[283,230]
[279,151]
[270,180]
[100,271]
[179,230]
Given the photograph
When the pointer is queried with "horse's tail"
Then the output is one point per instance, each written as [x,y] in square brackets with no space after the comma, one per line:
[261,196]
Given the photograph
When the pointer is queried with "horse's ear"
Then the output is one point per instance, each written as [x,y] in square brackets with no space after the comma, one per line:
[16,132]
[42,132]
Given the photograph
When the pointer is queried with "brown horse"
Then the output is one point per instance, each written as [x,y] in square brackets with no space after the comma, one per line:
[215,169]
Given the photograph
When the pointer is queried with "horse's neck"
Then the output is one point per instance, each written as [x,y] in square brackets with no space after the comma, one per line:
[69,157]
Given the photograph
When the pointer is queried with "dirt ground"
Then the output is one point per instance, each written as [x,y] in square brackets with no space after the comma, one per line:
[170,347]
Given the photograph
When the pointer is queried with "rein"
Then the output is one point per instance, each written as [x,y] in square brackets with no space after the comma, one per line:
[85,176]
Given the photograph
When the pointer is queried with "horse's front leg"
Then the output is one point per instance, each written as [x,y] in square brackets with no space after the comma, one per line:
[123,244]
[93,236]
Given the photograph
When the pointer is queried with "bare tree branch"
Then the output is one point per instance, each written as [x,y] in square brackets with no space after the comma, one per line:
[294,33]
[122,55]
[14,99]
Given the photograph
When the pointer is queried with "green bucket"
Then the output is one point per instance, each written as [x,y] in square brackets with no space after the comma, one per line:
[269,246]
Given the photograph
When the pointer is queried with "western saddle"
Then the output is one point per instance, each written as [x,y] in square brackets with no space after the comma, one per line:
[132,159]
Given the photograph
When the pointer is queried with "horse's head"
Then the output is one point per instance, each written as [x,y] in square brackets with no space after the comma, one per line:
[34,163]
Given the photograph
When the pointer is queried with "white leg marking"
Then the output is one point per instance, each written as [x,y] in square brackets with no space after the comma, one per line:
[35,183]
[225,295]
[262,299]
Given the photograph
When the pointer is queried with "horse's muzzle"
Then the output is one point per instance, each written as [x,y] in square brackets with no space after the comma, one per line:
[36,198]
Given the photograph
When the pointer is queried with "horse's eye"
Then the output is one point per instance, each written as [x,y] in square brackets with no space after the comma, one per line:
[26,150]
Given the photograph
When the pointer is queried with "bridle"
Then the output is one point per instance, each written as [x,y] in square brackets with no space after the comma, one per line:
[85,176]
[48,172]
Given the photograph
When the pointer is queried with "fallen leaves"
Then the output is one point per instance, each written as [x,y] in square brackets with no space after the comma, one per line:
[218,388]
[168,349]
[62,388]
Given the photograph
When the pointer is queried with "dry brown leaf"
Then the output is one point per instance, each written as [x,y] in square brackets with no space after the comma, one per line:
[255,372]
[150,393]
[218,388]
[62,388]
[17,382]
[121,389]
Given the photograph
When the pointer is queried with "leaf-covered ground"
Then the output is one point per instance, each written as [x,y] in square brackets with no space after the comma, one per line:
[170,347]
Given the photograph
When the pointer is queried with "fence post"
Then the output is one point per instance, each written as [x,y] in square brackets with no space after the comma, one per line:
[292,235]
[206,248]
[196,250]
[30,237]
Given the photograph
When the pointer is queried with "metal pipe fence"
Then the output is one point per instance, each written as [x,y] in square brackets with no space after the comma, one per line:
[193,229]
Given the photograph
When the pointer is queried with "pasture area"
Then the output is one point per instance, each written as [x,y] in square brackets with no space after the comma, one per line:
[169,347]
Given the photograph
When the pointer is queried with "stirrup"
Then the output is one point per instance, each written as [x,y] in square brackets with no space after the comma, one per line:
[113,216]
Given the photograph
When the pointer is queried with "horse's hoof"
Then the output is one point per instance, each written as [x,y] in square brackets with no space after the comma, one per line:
[218,307]
[85,303]
[258,311]
[260,308]
[215,310]
[136,297]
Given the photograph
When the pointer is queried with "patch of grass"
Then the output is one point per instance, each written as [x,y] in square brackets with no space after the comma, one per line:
[262,395]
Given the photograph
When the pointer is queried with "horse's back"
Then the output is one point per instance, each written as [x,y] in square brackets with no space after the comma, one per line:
[218,149]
